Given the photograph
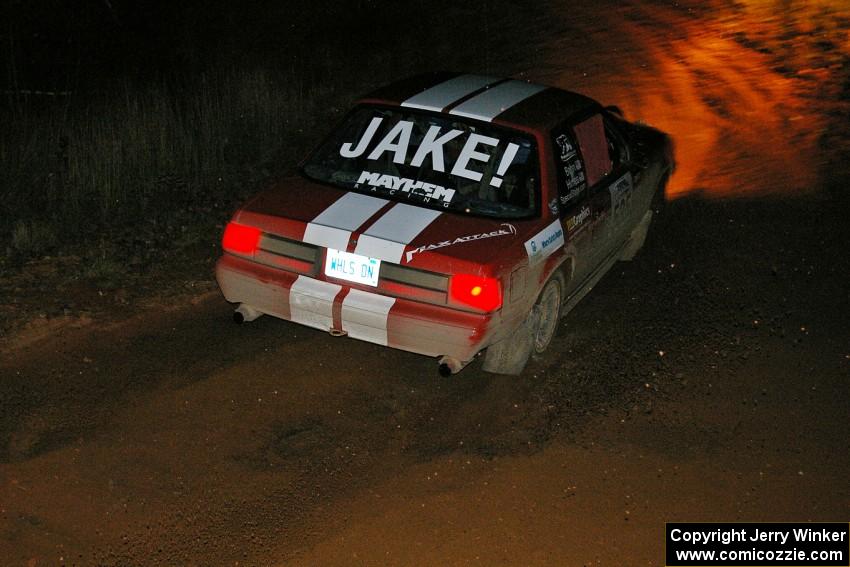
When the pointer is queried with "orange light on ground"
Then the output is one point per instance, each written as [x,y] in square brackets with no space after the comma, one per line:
[746,117]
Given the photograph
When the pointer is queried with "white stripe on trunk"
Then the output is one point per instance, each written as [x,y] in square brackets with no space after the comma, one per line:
[332,227]
[388,237]
[364,315]
[440,96]
[311,302]
[492,102]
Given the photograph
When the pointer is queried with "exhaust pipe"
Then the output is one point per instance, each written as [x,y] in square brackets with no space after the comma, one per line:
[245,314]
[449,365]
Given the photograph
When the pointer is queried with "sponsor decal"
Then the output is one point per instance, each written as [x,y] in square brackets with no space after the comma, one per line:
[574,175]
[577,220]
[574,178]
[566,147]
[545,242]
[621,192]
[505,230]
[426,191]
[397,141]
[573,194]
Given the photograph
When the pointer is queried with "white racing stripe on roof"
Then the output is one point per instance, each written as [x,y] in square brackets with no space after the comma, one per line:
[492,102]
[388,237]
[440,96]
[332,227]
[364,315]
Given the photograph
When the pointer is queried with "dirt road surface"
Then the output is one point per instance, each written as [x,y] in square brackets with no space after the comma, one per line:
[708,380]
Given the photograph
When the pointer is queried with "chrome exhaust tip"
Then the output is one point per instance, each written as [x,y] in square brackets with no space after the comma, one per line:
[245,314]
[449,365]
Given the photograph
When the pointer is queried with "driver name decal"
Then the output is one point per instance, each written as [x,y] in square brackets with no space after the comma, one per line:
[471,163]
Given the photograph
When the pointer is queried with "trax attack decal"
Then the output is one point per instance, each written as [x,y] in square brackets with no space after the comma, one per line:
[545,242]
[396,143]
[505,230]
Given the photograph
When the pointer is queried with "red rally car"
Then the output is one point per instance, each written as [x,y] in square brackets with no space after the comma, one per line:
[450,215]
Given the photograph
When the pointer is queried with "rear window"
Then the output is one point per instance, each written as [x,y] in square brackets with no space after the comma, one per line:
[436,161]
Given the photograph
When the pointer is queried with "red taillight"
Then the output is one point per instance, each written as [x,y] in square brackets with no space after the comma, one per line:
[240,239]
[476,291]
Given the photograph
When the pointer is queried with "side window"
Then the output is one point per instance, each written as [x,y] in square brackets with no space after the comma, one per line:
[594,147]
[571,176]
[617,148]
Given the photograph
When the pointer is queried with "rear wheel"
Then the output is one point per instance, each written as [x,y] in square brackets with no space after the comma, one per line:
[548,307]
[510,355]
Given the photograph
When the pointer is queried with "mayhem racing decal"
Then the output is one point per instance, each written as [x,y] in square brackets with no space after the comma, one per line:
[505,230]
[396,185]
[545,242]
[494,101]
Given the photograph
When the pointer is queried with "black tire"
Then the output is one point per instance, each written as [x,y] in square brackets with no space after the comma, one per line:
[548,308]
[510,355]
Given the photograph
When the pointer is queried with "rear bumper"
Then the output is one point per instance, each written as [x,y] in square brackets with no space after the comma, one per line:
[423,328]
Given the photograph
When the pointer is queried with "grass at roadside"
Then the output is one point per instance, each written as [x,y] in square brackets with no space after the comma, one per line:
[130,154]
[118,191]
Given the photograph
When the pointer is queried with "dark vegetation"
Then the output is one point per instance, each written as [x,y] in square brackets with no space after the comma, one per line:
[117,116]
[130,131]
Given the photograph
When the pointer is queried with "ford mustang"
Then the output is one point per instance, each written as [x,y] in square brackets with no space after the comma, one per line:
[450,215]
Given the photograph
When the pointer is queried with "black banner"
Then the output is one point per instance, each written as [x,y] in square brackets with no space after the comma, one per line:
[758,544]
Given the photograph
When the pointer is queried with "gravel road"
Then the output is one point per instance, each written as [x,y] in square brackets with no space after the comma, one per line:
[707,380]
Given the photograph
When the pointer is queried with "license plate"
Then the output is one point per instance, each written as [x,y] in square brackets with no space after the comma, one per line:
[352,267]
